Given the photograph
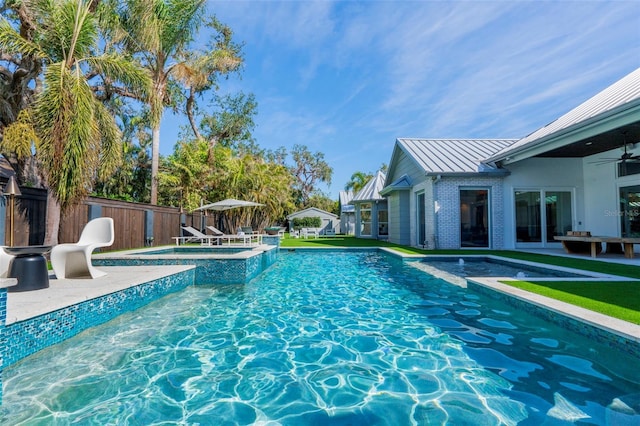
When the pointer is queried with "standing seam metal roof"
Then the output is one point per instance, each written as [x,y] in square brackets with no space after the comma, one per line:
[452,155]
[618,95]
[371,191]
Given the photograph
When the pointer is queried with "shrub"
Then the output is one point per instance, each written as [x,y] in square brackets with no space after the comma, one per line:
[307,222]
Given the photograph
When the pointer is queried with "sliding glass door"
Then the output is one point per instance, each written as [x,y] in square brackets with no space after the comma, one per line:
[630,211]
[540,215]
[474,218]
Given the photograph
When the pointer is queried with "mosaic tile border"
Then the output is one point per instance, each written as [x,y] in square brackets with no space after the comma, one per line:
[208,271]
[598,334]
[27,337]
[3,321]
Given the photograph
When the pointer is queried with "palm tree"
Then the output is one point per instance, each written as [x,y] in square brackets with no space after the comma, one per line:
[162,45]
[76,138]
[358,181]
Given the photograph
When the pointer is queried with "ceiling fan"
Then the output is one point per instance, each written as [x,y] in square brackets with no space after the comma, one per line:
[626,155]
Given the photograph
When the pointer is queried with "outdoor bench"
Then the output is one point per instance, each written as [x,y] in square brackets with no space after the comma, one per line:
[576,244]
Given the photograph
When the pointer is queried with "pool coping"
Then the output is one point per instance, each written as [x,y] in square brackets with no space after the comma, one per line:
[615,326]
[63,293]
[247,252]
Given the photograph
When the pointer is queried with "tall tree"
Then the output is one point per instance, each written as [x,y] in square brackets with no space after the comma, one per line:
[161,32]
[75,137]
[309,170]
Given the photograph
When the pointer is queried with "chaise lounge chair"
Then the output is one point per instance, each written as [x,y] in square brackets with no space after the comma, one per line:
[241,236]
[73,260]
[309,233]
[195,236]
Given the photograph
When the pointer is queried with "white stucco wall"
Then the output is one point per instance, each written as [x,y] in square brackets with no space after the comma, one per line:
[602,193]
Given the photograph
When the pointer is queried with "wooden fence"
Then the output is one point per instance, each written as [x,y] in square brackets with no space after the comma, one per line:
[136,224]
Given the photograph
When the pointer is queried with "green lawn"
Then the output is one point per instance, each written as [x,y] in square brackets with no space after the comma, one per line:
[617,299]
[614,298]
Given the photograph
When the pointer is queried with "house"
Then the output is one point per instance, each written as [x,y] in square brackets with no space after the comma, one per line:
[577,173]
[347,213]
[328,220]
[441,194]
[371,216]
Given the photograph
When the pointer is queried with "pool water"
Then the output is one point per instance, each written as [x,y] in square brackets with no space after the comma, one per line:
[194,250]
[488,267]
[355,338]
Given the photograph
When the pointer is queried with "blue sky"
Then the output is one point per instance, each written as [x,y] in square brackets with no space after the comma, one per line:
[346,78]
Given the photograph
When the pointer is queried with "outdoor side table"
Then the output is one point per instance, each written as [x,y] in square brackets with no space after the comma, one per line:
[29,267]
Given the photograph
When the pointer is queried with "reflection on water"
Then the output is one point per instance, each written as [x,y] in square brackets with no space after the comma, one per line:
[335,338]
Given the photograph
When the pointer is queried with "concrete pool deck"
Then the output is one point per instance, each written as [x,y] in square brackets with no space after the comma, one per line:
[68,292]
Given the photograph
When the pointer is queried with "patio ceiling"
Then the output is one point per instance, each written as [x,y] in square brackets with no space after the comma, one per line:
[599,124]
[602,142]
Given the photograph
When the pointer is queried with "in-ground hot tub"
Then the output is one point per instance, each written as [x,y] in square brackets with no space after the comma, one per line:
[214,264]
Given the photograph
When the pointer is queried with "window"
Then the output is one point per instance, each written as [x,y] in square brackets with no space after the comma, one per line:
[528,221]
[628,168]
[365,219]
[630,211]
[558,213]
[541,215]
[383,223]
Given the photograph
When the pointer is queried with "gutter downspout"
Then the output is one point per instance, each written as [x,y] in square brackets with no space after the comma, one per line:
[435,180]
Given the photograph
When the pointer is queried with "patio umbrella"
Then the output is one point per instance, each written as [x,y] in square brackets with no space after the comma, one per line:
[227,204]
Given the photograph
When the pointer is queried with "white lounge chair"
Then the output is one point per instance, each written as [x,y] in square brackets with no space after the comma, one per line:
[196,236]
[215,230]
[247,239]
[73,260]
[309,232]
[330,232]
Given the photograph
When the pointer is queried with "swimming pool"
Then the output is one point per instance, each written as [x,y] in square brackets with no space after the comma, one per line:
[192,250]
[486,266]
[325,338]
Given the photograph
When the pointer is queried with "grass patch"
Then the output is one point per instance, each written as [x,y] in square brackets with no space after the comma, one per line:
[618,299]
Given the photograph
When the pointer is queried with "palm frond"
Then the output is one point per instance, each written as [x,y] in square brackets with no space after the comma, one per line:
[180,21]
[143,36]
[123,69]
[13,43]
[111,146]
[20,137]
[70,140]
[84,30]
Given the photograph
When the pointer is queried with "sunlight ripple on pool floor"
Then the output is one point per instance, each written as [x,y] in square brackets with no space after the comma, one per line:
[305,343]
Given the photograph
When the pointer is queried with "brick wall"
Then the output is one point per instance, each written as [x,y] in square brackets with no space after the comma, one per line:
[447,220]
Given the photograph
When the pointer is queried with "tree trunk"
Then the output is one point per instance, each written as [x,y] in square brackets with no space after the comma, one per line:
[53,220]
[155,159]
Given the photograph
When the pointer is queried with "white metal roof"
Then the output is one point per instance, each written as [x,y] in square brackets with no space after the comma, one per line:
[622,94]
[345,199]
[311,211]
[371,191]
[436,156]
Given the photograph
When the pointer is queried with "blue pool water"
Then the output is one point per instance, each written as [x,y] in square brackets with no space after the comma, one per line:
[490,267]
[195,250]
[333,338]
